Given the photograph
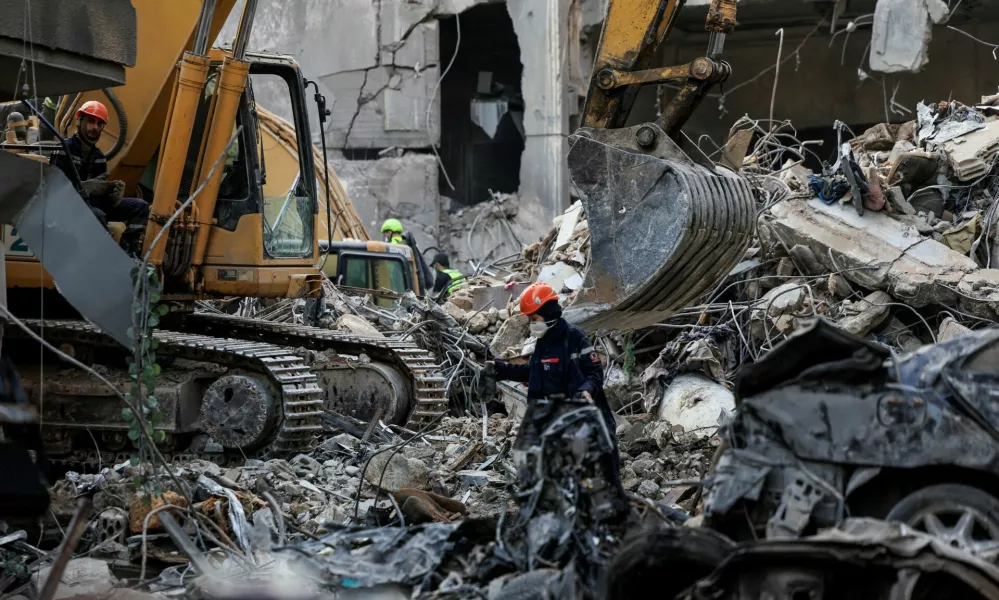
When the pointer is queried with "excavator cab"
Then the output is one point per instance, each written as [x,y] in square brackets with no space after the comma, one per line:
[386,271]
[694,219]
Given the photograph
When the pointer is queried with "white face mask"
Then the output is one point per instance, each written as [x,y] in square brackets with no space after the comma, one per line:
[538,329]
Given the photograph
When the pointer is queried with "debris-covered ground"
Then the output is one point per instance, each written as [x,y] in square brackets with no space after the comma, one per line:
[893,241]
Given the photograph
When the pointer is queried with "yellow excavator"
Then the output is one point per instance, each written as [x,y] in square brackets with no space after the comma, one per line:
[694,219]
[239,201]
[243,230]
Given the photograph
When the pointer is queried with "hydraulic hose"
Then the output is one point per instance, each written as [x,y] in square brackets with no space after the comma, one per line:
[119,109]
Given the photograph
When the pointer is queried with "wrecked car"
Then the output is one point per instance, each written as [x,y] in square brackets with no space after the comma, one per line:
[830,425]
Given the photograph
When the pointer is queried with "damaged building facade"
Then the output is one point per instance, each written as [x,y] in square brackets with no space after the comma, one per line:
[437,152]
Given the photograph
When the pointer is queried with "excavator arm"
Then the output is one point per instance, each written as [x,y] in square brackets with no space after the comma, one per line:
[665,226]
[633,31]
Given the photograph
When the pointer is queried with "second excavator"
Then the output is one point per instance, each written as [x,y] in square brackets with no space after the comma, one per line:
[647,182]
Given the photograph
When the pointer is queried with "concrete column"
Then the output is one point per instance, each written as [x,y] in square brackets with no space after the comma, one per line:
[541,29]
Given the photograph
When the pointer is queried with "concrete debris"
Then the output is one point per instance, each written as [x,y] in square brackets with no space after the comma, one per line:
[357,325]
[395,472]
[83,577]
[862,317]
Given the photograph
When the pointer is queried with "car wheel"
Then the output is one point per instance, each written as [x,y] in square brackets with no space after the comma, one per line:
[962,516]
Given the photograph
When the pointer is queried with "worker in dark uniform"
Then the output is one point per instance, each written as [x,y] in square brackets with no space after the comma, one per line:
[103,196]
[392,231]
[448,279]
[564,365]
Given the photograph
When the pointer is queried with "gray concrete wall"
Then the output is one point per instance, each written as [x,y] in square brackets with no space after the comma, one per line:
[403,187]
[814,88]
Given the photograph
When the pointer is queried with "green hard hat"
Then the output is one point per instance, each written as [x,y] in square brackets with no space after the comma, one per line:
[393,225]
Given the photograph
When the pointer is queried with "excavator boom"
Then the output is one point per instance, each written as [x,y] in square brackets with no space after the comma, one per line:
[694,219]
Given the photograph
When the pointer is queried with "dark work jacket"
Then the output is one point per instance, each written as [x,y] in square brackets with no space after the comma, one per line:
[89,165]
[564,362]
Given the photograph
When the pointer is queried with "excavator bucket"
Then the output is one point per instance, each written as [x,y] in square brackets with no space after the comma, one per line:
[664,229]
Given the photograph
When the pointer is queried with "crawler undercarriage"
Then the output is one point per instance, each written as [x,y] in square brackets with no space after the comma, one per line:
[230,388]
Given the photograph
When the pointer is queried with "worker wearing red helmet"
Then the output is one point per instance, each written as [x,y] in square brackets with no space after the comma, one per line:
[564,363]
[87,167]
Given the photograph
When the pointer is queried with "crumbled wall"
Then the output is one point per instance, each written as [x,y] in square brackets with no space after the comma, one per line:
[404,187]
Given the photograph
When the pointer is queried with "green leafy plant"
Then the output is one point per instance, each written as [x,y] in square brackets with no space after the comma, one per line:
[143,369]
[629,357]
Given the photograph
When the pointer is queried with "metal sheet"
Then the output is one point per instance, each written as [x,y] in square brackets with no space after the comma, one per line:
[74,46]
[88,267]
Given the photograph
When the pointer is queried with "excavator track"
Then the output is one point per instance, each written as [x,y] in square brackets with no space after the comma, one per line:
[428,383]
[274,350]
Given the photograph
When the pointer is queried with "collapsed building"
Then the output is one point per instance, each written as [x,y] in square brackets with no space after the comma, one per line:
[514,92]
[890,235]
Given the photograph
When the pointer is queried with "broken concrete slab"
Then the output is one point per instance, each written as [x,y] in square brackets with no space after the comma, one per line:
[880,253]
[510,337]
[866,315]
[398,473]
[950,329]
[901,34]
[971,155]
[82,577]
[358,326]
[561,276]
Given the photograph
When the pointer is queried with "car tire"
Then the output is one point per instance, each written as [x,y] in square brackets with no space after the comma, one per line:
[661,563]
[960,515]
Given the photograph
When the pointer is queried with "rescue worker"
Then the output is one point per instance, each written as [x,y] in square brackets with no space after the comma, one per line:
[17,129]
[392,231]
[448,279]
[564,364]
[104,197]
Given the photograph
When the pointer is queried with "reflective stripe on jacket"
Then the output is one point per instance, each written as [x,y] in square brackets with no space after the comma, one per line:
[457,279]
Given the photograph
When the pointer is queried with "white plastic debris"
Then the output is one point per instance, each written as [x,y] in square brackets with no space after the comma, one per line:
[696,403]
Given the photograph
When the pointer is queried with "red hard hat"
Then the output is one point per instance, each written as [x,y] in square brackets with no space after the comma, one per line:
[95,109]
[535,296]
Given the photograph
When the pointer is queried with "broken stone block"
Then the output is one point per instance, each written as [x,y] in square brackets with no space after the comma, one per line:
[82,577]
[511,337]
[785,323]
[462,302]
[784,299]
[478,323]
[455,312]
[900,36]
[878,252]
[503,315]
[401,472]
[899,335]
[805,259]
[785,267]
[839,286]
[950,329]
[358,326]
[696,403]
[493,315]
[867,314]
[648,489]
[617,387]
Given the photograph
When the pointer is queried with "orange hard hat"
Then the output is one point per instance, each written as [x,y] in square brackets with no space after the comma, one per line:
[535,296]
[95,109]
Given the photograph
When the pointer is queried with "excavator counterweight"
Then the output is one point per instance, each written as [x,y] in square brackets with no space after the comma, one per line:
[666,226]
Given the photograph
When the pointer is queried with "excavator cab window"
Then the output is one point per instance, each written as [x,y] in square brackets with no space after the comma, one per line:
[373,272]
[288,201]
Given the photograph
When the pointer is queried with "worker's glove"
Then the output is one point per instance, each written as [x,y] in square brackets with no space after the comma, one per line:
[95,189]
[485,383]
[117,192]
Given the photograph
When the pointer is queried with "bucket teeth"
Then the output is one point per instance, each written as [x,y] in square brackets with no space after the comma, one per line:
[664,229]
